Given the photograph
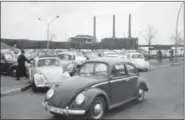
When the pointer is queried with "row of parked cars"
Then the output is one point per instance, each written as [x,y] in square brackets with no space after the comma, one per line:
[87,83]
[9,58]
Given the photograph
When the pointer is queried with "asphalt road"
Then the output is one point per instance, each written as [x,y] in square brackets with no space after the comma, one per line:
[163,101]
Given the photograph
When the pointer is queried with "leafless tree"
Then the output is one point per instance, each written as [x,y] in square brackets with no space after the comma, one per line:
[149,35]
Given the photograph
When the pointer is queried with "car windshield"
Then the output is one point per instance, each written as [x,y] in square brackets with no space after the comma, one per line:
[65,57]
[48,62]
[94,69]
[138,56]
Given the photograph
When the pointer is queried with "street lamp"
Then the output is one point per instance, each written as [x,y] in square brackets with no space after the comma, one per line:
[48,25]
[177,29]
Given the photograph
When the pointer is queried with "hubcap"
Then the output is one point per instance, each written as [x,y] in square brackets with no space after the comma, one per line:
[140,94]
[98,110]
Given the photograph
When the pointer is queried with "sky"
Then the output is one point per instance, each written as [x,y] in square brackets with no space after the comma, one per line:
[19,20]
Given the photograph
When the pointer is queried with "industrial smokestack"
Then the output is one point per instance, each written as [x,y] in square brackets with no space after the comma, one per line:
[129,27]
[94,28]
[113,26]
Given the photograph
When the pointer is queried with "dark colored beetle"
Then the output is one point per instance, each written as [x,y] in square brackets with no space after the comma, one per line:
[101,84]
[8,63]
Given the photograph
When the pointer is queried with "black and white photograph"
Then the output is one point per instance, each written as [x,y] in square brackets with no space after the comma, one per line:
[92,59]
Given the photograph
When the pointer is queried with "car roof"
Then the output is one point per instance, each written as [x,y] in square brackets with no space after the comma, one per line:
[46,57]
[110,61]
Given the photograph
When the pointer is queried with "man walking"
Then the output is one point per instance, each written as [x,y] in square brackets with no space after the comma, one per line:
[21,69]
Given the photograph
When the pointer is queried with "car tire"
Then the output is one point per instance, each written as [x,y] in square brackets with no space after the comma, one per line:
[34,87]
[13,71]
[140,94]
[98,104]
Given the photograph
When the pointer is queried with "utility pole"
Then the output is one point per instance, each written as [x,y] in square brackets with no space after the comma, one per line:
[48,32]
[177,38]
[113,27]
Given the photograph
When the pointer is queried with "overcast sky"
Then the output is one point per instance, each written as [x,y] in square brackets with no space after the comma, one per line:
[19,20]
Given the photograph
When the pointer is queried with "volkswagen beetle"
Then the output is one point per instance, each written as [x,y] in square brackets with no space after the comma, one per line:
[47,71]
[101,84]
[71,57]
[138,60]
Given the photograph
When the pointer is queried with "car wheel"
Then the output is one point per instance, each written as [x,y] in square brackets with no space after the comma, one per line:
[34,87]
[97,109]
[13,71]
[140,94]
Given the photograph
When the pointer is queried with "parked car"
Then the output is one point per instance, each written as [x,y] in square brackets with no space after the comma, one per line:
[101,84]
[47,71]
[90,55]
[71,57]
[107,53]
[138,60]
[8,63]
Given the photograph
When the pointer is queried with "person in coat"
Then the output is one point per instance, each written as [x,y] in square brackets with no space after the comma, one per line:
[21,69]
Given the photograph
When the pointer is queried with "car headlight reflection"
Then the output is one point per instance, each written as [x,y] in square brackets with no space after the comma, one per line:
[49,94]
[80,99]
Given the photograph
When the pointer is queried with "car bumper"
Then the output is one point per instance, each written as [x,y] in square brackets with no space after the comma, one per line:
[49,85]
[61,111]
[142,67]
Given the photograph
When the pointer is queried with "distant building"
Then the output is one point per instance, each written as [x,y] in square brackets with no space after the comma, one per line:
[119,43]
[82,41]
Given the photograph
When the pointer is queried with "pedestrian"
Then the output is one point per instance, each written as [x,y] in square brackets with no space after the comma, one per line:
[159,54]
[21,69]
[171,53]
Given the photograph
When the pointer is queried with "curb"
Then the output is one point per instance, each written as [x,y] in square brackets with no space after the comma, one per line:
[15,90]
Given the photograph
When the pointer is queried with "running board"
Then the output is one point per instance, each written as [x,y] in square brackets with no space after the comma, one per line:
[120,103]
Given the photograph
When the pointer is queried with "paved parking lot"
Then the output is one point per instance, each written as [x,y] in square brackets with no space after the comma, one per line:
[164,100]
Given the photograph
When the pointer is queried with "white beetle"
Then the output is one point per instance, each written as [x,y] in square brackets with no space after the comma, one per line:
[46,72]
[138,60]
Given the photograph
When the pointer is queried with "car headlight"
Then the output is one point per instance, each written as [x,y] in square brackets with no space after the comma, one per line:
[39,79]
[80,99]
[49,94]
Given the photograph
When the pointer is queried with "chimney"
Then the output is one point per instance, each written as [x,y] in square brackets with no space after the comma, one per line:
[94,28]
[129,27]
[113,26]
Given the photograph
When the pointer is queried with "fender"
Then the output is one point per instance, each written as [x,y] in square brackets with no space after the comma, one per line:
[13,65]
[143,82]
[92,93]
